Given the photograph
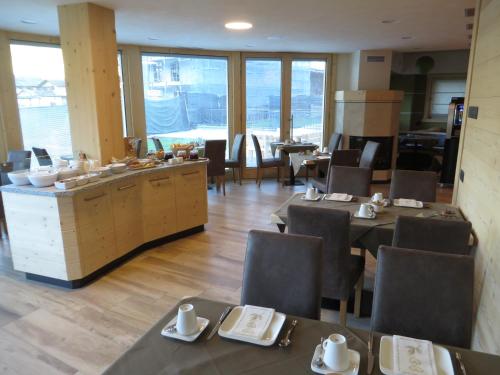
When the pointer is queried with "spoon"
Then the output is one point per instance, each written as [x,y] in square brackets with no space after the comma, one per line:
[319,360]
[284,342]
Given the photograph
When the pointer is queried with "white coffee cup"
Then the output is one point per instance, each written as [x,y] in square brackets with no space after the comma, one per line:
[325,150]
[377,207]
[335,354]
[378,197]
[187,323]
[311,193]
[298,139]
[366,210]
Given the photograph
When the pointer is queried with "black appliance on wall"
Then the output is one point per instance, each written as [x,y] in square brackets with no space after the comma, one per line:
[453,129]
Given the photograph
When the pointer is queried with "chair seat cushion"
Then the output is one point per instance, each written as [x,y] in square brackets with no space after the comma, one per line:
[230,163]
[272,162]
[319,183]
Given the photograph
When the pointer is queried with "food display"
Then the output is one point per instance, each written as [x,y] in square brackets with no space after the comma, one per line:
[142,164]
[186,147]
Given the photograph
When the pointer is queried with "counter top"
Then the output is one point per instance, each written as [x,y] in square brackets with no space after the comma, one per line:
[52,191]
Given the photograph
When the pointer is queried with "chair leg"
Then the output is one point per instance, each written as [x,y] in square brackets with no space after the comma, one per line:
[260,172]
[343,313]
[278,175]
[240,173]
[307,173]
[357,295]
[234,177]
[217,183]
[224,185]
[257,176]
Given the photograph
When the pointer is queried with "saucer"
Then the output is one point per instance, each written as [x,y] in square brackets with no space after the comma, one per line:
[312,199]
[358,216]
[202,324]
[351,370]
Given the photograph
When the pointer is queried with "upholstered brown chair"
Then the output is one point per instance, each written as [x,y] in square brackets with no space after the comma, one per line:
[369,154]
[283,271]
[20,159]
[236,160]
[215,151]
[157,143]
[265,163]
[413,185]
[347,158]
[424,294]
[42,156]
[342,272]
[349,180]
[431,234]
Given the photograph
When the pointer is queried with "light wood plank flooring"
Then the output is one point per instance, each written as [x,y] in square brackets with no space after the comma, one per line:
[49,330]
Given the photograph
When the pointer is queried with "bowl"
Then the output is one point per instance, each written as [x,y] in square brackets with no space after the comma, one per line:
[42,178]
[103,171]
[82,180]
[118,167]
[67,172]
[69,183]
[19,178]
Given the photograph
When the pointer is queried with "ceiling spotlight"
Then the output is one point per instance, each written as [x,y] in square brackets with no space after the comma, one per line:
[249,45]
[388,21]
[153,38]
[28,21]
[406,37]
[274,37]
[238,25]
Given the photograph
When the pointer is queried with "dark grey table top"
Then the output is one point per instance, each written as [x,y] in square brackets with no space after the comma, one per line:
[155,354]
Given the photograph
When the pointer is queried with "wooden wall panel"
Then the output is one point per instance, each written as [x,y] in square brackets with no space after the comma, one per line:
[88,42]
[479,194]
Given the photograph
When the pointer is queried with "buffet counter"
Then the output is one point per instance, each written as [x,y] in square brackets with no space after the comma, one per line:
[71,237]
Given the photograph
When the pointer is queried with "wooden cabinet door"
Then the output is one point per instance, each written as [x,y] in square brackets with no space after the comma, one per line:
[158,205]
[94,228]
[126,198]
[191,196]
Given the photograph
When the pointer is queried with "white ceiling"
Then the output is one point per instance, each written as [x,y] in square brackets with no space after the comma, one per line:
[279,25]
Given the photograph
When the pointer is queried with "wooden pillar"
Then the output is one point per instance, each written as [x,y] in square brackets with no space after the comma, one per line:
[88,41]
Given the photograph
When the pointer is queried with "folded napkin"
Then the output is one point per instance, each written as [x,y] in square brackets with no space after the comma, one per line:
[253,322]
[413,357]
[409,203]
[338,197]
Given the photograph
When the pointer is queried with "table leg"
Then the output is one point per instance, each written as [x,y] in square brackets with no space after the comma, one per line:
[292,181]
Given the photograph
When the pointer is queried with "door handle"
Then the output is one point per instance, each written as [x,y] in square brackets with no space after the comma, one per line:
[159,179]
[190,173]
[95,197]
[126,187]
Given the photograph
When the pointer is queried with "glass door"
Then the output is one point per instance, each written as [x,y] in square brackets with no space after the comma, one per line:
[263,105]
[307,107]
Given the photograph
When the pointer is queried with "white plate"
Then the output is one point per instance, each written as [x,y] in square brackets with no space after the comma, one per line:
[269,337]
[338,197]
[358,216]
[411,203]
[312,199]
[353,363]
[386,359]
[202,324]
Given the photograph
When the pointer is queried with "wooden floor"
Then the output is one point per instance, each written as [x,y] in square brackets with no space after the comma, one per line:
[49,330]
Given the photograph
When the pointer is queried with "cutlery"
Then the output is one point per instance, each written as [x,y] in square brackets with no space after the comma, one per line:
[223,316]
[319,361]
[458,356]
[285,342]
[371,357]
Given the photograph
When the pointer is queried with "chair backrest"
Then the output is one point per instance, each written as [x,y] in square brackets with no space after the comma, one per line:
[349,180]
[283,271]
[258,151]
[348,158]
[21,159]
[157,143]
[215,151]
[333,226]
[423,294]
[42,156]
[445,236]
[237,151]
[413,185]
[369,154]
[5,168]
[137,145]
[334,142]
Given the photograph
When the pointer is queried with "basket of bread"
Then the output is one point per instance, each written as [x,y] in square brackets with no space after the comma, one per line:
[176,147]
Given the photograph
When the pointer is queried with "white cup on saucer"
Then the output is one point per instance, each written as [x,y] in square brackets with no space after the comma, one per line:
[187,323]
[335,354]
[311,193]
[377,197]
[366,210]
[325,150]
[298,140]
[378,206]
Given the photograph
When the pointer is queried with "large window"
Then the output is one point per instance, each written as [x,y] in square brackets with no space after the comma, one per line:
[308,100]
[122,93]
[442,89]
[41,96]
[185,98]
[263,105]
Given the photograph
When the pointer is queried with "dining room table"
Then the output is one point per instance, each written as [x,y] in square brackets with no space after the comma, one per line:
[290,149]
[156,354]
[369,233]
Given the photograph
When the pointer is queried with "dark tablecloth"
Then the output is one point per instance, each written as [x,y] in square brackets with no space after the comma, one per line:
[155,354]
[365,233]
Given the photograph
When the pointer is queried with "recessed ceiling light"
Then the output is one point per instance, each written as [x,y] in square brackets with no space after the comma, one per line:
[28,21]
[153,38]
[250,45]
[274,37]
[238,25]
[406,37]
[388,21]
